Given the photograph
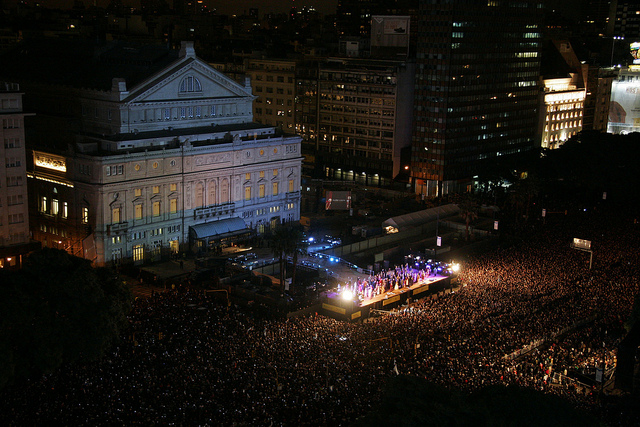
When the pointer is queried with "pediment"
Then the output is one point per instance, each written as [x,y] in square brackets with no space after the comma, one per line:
[187,79]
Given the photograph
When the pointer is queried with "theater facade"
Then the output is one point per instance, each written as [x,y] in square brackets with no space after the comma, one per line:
[167,159]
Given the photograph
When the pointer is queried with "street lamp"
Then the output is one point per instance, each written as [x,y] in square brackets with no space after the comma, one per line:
[613,44]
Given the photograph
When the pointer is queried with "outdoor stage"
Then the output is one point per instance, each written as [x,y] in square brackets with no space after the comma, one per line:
[345,309]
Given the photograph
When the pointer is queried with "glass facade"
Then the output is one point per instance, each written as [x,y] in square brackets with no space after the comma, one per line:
[476,93]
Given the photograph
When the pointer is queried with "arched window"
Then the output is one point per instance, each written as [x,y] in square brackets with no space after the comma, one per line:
[199,200]
[211,200]
[224,191]
[190,84]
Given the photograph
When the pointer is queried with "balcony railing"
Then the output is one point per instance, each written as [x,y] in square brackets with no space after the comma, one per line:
[214,211]
[117,228]
[294,195]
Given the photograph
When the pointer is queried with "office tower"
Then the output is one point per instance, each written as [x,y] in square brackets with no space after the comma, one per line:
[476,92]
[364,119]
[273,82]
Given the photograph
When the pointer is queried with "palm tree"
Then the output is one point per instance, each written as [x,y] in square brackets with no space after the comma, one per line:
[295,246]
[278,247]
[287,240]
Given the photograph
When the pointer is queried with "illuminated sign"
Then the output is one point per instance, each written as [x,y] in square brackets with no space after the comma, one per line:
[391,300]
[569,96]
[582,244]
[333,308]
[338,200]
[421,289]
[635,52]
[48,162]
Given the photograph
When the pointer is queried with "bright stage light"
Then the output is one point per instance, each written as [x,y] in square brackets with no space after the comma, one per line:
[455,267]
[347,295]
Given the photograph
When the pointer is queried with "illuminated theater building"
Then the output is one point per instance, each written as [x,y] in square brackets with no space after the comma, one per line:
[156,152]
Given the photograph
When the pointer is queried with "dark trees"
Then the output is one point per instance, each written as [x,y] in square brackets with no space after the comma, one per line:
[414,401]
[57,309]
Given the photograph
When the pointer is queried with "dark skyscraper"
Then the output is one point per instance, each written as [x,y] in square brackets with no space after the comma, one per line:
[476,95]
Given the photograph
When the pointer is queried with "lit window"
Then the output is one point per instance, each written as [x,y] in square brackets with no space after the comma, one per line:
[173,187]
[137,192]
[261,174]
[138,253]
[156,189]
[156,208]
[173,206]
[275,188]
[85,215]
[291,186]
[275,172]
[43,204]
[261,191]
[247,193]
[247,176]
[115,215]
[139,209]
[65,209]
[55,207]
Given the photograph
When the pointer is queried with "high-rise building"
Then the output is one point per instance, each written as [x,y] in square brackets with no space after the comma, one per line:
[624,19]
[598,98]
[306,114]
[273,82]
[364,119]
[14,207]
[353,17]
[476,92]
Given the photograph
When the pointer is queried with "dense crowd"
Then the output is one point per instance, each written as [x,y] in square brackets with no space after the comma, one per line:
[187,360]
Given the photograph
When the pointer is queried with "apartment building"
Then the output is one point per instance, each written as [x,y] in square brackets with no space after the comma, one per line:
[14,208]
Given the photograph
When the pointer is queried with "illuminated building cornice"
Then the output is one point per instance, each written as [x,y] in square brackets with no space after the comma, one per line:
[49,162]
[54,181]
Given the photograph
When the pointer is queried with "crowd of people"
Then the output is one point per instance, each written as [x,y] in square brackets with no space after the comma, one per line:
[188,360]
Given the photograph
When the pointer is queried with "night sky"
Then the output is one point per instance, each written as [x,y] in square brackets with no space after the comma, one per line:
[567,7]
[223,6]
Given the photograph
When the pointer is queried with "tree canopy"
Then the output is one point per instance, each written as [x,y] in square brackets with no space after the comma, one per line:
[57,309]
